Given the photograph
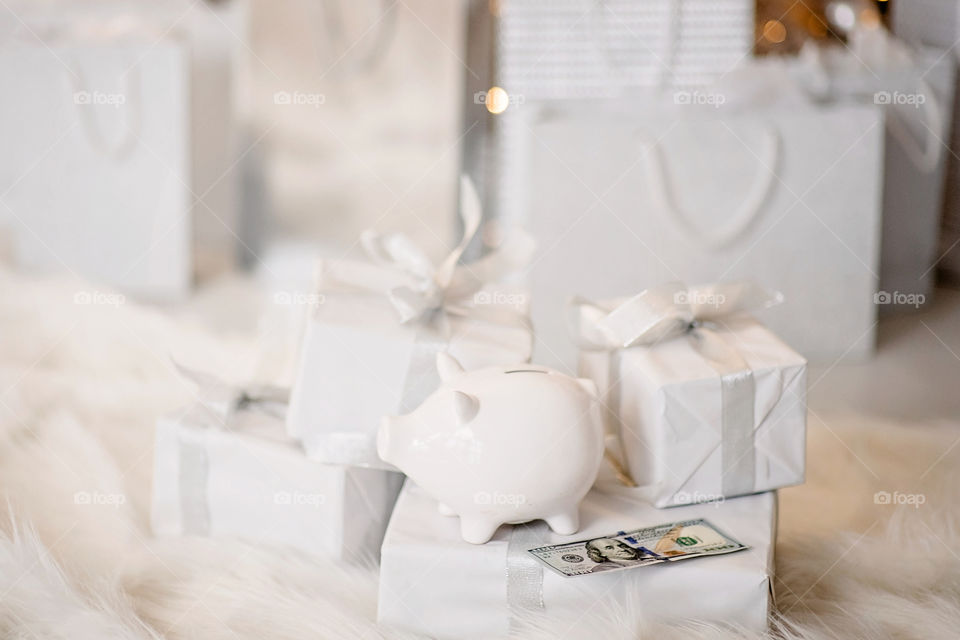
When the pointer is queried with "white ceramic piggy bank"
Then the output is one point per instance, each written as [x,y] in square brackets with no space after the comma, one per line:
[501,445]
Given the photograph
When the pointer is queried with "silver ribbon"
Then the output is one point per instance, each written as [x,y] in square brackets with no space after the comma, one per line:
[737,393]
[428,295]
[220,402]
[192,485]
[524,573]
[675,311]
[450,285]
[422,377]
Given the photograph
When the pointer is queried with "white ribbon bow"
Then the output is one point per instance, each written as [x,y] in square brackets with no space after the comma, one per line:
[662,313]
[449,285]
[223,400]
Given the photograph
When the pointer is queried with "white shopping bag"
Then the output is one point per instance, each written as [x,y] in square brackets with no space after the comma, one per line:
[119,132]
[789,198]
[95,171]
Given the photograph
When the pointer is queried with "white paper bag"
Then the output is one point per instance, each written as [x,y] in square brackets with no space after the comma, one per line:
[915,87]
[544,54]
[433,582]
[96,168]
[121,142]
[580,48]
[788,197]
[249,481]
[933,23]
[703,413]
[913,191]
[934,26]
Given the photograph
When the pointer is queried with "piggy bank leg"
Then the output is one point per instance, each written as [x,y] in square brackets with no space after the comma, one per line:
[476,531]
[565,523]
[445,510]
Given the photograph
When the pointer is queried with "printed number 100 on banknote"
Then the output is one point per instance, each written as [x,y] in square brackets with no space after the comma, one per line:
[638,548]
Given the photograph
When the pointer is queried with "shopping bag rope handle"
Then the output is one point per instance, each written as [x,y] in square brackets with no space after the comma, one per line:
[743,215]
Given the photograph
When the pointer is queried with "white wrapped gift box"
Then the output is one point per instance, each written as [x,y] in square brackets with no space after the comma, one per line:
[433,582]
[370,346]
[250,481]
[716,411]
[358,363]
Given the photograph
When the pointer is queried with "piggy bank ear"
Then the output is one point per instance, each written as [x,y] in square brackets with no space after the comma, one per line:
[447,366]
[466,406]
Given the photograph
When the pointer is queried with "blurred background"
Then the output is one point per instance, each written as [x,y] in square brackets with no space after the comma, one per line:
[202,154]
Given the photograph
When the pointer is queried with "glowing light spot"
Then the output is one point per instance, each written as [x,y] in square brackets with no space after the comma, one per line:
[774,31]
[497,100]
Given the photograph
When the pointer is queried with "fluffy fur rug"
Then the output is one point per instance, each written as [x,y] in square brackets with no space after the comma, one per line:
[81,386]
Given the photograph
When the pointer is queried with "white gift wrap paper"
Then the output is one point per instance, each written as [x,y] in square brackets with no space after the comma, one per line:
[626,200]
[358,364]
[666,408]
[251,482]
[433,582]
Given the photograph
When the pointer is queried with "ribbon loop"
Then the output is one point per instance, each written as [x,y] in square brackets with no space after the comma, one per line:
[223,400]
[662,313]
[426,288]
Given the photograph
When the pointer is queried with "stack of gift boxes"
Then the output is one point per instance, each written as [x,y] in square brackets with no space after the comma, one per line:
[703,410]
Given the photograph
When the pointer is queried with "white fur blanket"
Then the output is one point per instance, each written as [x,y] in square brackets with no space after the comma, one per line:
[81,386]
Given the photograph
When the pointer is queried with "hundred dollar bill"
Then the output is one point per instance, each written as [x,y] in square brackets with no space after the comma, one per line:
[637,548]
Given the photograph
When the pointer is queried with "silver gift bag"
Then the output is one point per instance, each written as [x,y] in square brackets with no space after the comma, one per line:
[522,53]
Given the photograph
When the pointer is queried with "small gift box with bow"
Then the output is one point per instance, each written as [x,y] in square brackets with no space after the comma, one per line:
[702,400]
[225,467]
[370,346]
[434,583]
